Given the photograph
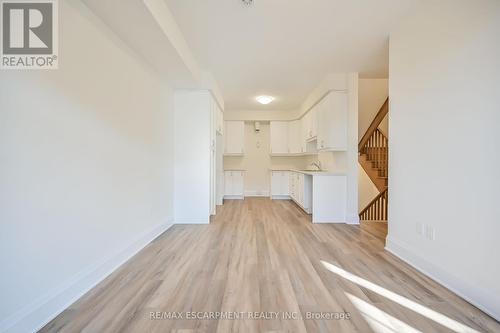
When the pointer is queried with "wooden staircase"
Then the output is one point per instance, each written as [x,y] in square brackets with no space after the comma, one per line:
[373,157]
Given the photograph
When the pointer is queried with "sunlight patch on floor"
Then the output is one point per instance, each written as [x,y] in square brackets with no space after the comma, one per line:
[403,301]
[380,321]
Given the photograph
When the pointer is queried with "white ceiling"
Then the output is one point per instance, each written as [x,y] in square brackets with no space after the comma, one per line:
[144,36]
[285,47]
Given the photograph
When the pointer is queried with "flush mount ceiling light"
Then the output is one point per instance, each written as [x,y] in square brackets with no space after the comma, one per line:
[264,99]
[247,2]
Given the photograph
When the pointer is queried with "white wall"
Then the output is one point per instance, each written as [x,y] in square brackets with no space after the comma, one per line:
[352,149]
[372,95]
[219,165]
[192,156]
[367,191]
[444,148]
[257,160]
[85,173]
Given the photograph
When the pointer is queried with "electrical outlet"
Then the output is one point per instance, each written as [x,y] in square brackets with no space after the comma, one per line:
[420,228]
[429,232]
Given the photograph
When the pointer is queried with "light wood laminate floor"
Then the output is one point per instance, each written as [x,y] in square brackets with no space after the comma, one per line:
[266,256]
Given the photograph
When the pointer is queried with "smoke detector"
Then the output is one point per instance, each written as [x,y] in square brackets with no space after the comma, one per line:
[247,2]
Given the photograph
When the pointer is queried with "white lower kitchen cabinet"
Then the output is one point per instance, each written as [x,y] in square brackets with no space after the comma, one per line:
[280,184]
[301,190]
[329,193]
[322,194]
[234,184]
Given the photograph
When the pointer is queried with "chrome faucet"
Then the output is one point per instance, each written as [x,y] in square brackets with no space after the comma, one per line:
[317,164]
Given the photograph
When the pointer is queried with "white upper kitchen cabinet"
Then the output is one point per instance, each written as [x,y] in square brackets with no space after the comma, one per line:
[294,137]
[332,122]
[303,133]
[235,138]
[307,142]
[279,137]
[311,124]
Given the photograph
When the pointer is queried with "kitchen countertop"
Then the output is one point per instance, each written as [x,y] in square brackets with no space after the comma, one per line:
[312,172]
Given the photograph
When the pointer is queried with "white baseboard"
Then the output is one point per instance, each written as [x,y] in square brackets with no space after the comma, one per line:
[234,197]
[38,313]
[326,220]
[353,219]
[256,193]
[189,220]
[280,197]
[481,298]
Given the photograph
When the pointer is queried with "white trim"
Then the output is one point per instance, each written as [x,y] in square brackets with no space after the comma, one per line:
[291,154]
[37,314]
[256,193]
[300,206]
[233,154]
[327,219]
[194,220]
[352,219]
[234,197]
[281,197]
[472,293]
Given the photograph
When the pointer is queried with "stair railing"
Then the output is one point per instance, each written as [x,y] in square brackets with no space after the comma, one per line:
[375,123]
[376,210]
[377,152]
[375,146]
